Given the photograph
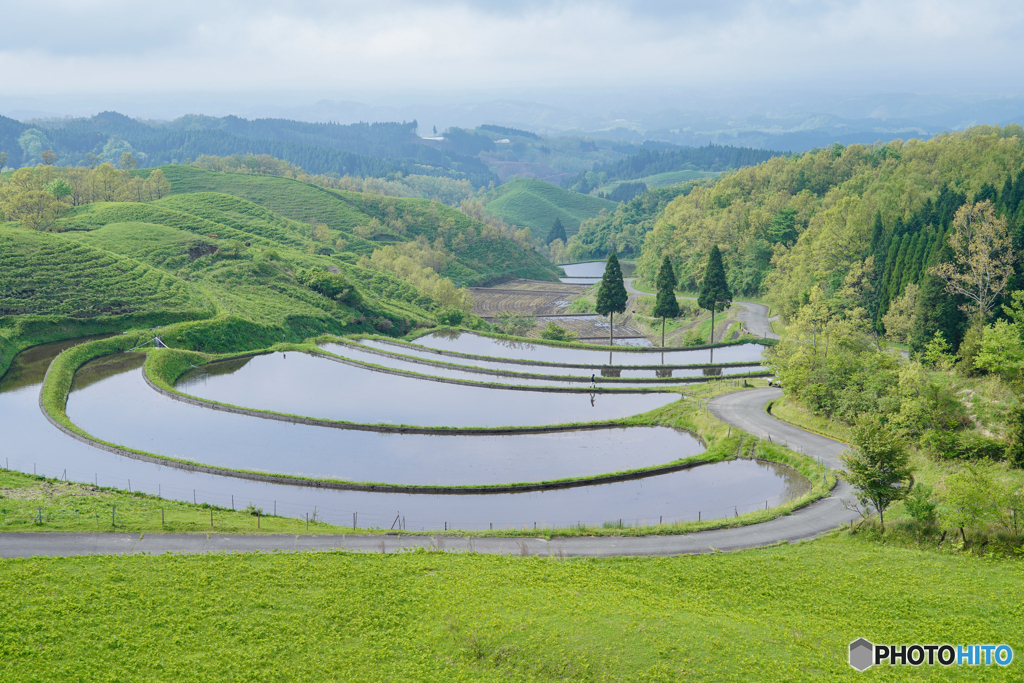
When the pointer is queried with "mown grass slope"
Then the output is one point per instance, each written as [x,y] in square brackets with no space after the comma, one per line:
[366,221]
[785,613]
[536,204]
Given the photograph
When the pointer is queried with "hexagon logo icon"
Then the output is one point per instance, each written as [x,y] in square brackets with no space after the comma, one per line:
[861,654]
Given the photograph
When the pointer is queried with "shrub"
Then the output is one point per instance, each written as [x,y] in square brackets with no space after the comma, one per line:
[966,445]
[920,506]
[557,333]
[331,285]
[450,316]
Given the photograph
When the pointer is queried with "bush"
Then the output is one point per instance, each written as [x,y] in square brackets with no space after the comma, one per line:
[452,317]
[966,445]
[513,323]
[557,333]
[331,285]
[920,506]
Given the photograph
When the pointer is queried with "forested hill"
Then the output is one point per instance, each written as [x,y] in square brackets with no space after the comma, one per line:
[368,150]
[652,161]
[792,224]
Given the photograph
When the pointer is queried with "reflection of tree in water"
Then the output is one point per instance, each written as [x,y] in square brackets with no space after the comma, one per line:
[199,375]
[518,346]
[450,335]
[795,483]
[663,372]
[29,366]
[611,372]
[107,366]
[712,372]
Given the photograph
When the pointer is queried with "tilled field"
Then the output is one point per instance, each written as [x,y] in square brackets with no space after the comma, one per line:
[529,297]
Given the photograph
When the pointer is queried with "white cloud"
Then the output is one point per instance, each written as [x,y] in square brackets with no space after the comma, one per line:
[222,45]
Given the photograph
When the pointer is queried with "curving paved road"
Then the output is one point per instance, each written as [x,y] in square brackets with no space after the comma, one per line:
[744,410]
[753,316]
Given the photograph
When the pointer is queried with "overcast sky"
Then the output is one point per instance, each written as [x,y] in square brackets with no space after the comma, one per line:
[336,47]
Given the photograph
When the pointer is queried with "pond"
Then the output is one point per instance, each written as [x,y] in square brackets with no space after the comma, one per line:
[590,272]
[478,345]
[301,384]
[31,444]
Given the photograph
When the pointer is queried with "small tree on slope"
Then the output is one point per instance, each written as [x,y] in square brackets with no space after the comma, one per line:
[666,306]
[715,295]
[557,232]
[611,296]
[878,467]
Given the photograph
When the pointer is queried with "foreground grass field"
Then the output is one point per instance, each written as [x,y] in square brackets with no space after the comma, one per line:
[784,613]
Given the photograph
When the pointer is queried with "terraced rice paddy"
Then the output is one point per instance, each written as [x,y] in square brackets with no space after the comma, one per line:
[479,345]
[404,356]
[112,401]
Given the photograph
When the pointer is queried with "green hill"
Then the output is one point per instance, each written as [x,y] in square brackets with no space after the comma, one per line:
[364,221]
[536,204]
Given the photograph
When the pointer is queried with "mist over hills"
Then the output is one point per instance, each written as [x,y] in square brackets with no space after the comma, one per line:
[790,121]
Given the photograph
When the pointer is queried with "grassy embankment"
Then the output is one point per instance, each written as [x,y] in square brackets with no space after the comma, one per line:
[785,613]
[536,204]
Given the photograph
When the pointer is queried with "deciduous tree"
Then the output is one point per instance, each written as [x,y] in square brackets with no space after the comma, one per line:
[878,467]
[983,258]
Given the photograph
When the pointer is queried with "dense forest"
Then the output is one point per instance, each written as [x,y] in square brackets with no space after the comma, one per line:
[789,224]
[623,230]
[370,150]
[652,161]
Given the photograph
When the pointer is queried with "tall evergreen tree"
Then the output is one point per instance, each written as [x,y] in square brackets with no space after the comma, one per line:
[937,311]
[715,294]
[557,232]
[666,306]
[611,296]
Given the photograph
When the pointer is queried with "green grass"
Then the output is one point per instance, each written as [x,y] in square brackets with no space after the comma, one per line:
[479,259]
[536,203]
[785,613]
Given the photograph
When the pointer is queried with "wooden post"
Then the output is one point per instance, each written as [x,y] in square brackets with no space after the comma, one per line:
[161,516]
[307,522]
[257,520]
[113,515]
[211,518]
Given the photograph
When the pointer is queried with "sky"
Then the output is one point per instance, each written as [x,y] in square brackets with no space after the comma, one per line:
[437,49]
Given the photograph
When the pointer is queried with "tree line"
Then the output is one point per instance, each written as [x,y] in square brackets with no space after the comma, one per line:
[36,197]
[648,162]
[371,150]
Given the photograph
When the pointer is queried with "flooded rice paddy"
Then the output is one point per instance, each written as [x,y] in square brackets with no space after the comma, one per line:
[111,401]
[301,384]
[479,345]
[581,374]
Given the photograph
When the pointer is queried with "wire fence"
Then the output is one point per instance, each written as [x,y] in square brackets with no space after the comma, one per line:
[342,518]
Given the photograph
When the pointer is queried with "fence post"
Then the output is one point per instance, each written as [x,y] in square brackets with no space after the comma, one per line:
[307,522]
[113,515]
[161,516]
[211,518]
